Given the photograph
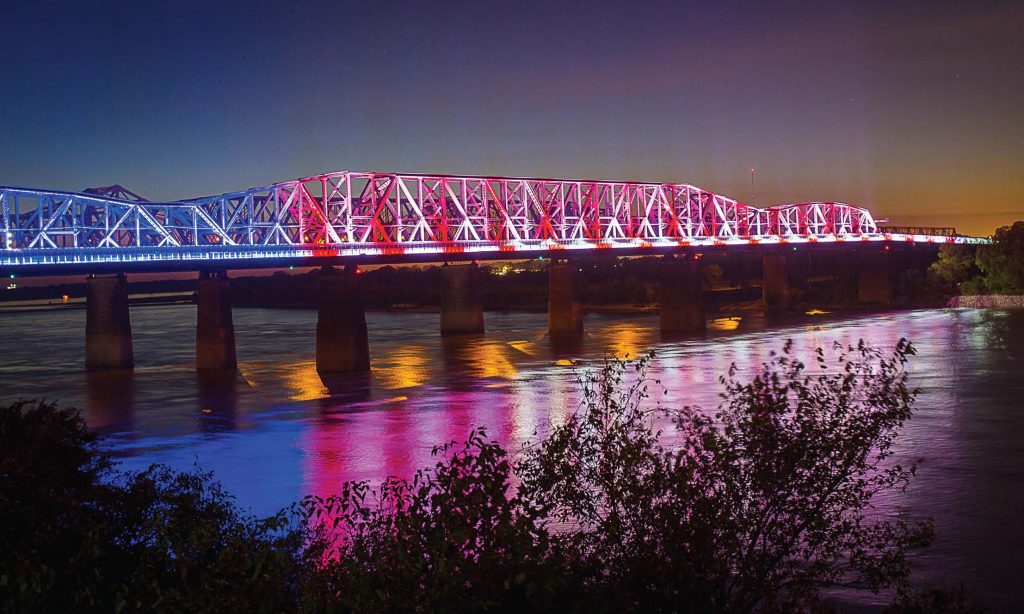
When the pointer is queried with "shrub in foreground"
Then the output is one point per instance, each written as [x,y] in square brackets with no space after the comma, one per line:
[74,534]
[761,507]
[624,505]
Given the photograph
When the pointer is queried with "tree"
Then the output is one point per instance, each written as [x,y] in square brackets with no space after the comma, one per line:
[759,508]
[75,534]
[954,266]
[1002,262]
[454,539]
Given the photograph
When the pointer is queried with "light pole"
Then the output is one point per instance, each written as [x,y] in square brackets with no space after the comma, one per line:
[752,202]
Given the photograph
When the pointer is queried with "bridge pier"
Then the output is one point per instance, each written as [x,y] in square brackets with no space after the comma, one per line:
[874,278]
[108,327]
[565,310]
[844,289]
[342,343]
[462,310]
[215,329]
[775,290]
[681,310]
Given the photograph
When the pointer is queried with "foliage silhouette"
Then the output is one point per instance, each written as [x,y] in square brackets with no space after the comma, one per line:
[74,534]
[1002,263]
[759,508]
[624,505]
[953,270]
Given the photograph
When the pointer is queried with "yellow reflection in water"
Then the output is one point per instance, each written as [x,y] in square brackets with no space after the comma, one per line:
[565,362]
[526,347]
[725,323]
[814,312]
[626,340]
[302,381]
[489,360]
[406,368]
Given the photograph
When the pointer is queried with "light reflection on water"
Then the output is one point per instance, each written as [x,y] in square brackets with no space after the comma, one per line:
[276,430]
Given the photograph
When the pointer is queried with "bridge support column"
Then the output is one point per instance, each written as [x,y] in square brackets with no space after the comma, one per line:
[342,344]
[681,310]
[775,291]
[215,329]
[874,278]
[565,310]
[108,327]
[844,289]
[462,310]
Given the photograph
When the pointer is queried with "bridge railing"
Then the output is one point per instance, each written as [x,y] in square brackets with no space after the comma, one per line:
[943,231]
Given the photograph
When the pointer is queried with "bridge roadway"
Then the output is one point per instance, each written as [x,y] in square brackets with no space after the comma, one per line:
[347,218]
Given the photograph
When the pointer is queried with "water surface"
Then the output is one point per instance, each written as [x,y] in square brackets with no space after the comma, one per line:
[276,431]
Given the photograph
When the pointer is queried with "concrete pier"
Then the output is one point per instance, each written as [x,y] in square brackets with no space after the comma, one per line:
[215,329]
[462,310]
[565,310]
[108,328]
[342,344]
[844,290]
[874,277]
[681,310]
[775,290]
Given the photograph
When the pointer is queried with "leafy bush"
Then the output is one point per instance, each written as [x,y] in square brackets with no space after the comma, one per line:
[452,539]
[761,507]
[74,534]
[1002,263]
[953,266]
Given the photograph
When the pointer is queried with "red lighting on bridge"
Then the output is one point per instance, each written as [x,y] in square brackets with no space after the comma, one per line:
[405,216]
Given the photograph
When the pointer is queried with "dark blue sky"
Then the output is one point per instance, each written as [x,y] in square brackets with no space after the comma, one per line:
[913,109]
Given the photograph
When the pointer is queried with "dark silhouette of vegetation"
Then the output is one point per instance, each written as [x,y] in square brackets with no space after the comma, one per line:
[1002,263]
[987,269]
[625,505]
[758,508]
[75,534]
[953,266]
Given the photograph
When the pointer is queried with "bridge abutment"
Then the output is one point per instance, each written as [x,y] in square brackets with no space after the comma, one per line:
[681,310]
[775,289]
[108,328]
[462,310]
[565,309]
[874,277]
[215,329]
[342,343]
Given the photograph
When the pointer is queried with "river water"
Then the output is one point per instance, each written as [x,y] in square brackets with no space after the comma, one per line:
[276,432]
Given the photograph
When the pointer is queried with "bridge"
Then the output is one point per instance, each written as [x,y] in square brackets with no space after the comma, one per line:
[346,218]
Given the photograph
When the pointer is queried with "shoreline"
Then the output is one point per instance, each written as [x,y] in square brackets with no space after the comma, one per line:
[987,301]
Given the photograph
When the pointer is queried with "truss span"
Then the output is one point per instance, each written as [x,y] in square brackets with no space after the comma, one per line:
[403,216]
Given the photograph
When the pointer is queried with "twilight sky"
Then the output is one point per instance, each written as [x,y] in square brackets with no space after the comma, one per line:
[913,109]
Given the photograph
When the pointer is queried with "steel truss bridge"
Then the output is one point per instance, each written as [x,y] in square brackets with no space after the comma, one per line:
[402,217]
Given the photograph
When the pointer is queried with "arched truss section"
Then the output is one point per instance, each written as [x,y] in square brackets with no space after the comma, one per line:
[405,212]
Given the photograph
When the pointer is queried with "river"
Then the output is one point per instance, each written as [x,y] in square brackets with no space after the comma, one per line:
[275,432]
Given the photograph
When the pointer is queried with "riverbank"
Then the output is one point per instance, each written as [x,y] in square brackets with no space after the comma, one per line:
[988,301]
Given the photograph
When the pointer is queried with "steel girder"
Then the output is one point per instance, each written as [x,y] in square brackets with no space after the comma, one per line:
[360,212]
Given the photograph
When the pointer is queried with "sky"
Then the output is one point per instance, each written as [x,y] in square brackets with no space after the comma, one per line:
[912,109]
